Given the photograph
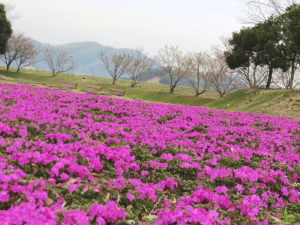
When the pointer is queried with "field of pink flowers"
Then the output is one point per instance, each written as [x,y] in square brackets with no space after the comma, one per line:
[71,158]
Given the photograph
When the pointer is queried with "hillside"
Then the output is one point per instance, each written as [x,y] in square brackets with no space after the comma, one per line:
[151,92]
[72,158]
[272,102]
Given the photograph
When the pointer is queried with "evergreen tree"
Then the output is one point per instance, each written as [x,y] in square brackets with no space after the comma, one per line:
[269,38]
[290,36]
[5,30]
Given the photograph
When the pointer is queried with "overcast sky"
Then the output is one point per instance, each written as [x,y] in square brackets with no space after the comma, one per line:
[192,24]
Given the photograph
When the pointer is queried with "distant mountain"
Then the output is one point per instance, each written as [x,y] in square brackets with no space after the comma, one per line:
[87,56]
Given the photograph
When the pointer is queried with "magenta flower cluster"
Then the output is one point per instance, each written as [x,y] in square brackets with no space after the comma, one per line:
[242,167]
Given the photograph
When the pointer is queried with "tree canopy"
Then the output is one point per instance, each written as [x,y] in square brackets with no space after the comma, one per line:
[5,30]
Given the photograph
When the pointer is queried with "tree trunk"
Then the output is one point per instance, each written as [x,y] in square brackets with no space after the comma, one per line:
[7,67]
[133,84]
[172,89]
[254,77]
[221,94]
[114,81]
[269,77]
[292,76]
[199,93]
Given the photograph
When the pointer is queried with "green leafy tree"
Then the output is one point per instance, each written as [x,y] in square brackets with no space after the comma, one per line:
[5,31]
[268,36]
[244,57]
[290,36]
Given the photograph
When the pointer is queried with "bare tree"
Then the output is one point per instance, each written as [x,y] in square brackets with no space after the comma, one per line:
[254,76]
[29,54]
[15,48]
[116,64]
[223,79]
[283,79]
[173,65]
[140,66]
[257,11]
[11,15]
[199,77]
[58,60]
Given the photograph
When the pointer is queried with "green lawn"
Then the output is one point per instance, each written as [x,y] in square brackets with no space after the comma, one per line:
[151,92]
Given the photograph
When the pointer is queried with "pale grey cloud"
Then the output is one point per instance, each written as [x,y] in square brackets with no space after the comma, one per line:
[191,24]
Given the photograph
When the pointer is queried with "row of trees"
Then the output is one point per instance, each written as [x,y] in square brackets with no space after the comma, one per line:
[201,70]
[267,54]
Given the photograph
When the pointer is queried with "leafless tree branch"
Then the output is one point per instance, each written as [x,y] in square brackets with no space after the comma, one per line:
[58,60]
[116,64]
[139,66]
[256,11]
[173,65]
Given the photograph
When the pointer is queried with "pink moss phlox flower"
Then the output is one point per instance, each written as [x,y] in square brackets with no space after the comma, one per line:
[166,156]
[110,212]
[55,169]
[166,204]
[221,189]
[153,151]
[119,171]
[196,165]
[171,183]
[29,211]
[284,190]
[184,157]
[4,196]
[64,176]
[295,177]
[239,188]
[185,165]
[252,190]
[279,203]
[157,165]
[144,173]
[294,196]
[10,168]
[76,217]
[52,181]
[130,196]
[251,206]
[85,188]
[119,182]
[72,187]
[96,188]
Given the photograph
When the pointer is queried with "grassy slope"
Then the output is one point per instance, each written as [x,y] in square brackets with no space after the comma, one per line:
[143,91]
[272,102]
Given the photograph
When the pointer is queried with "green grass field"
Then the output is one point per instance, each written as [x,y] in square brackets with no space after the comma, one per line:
[272,102]
[151,92]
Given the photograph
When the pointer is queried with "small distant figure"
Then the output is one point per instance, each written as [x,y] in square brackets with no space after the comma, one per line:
[83,79]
